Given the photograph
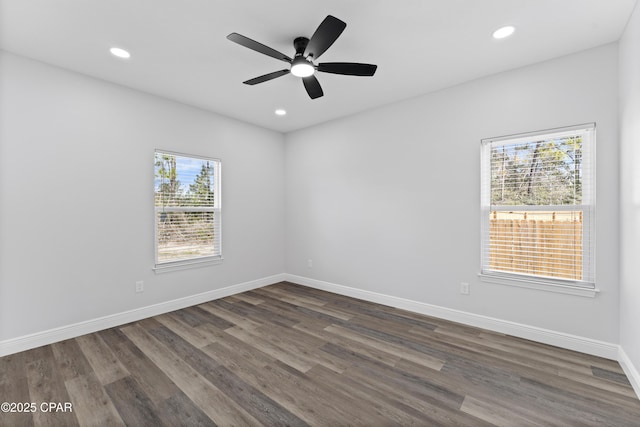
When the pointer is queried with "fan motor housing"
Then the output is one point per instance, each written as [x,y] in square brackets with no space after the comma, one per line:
[300,44]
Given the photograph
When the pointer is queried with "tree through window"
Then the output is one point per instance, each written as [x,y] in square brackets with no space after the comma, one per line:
[187,209]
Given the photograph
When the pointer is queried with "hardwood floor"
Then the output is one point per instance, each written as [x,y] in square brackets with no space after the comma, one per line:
[290,355]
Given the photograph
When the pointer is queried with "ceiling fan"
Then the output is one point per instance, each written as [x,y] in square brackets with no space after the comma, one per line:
[307,51]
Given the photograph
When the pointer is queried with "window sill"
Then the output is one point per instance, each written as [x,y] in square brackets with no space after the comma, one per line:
[186,265]
[538,285]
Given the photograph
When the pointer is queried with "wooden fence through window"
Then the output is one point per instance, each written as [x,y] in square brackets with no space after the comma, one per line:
[535,242]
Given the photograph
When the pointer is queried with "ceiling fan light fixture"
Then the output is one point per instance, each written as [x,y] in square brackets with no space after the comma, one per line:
[300,67]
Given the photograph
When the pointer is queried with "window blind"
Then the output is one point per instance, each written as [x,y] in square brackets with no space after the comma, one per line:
[187,209]
[538,206]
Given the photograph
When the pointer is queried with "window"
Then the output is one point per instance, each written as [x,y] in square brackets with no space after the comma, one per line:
[538,208]
[187,210]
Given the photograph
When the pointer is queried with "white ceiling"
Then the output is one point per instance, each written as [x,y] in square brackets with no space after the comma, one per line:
[180,51]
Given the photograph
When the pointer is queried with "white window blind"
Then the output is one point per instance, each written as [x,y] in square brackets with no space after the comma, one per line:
[187,210]
[538,206]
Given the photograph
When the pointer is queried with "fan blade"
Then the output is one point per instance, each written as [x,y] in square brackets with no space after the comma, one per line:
[327,33]
[258,47]
[348,68]
[266,77]
[312,85]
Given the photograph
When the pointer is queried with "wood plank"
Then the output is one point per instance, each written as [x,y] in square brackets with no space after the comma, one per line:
[367,350]
[91,403]
[580,360]
[47,385]
[508,395]
[248,298]
[191,355]
[194,335]
[329,311]
[265,316]
[305,345]
[134,406]
[258,404]
[433,410]
[497,415]
[213,402]
[618,377]
[283,295]
[600,383]
[306,399]
[527,357]
[591,397]
[70,360]
[224,310]
[368,403]
[582,410]
[155,384]
[299,362]
[105,364]
[421,386]
[232,345]
[14,387]
[206,317]
[468,346]
[179,410]
[391,348]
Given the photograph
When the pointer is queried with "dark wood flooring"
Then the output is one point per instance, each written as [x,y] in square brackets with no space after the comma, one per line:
[289,355]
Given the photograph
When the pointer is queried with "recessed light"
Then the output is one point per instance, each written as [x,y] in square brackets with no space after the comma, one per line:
[503,32]
[281,112]
[120,53]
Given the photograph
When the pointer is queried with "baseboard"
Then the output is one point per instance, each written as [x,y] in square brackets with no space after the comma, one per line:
[50,336]
[632,373]
[546,336]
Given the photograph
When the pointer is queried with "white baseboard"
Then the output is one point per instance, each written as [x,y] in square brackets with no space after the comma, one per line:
[632,373]
[50,336]
[546,336]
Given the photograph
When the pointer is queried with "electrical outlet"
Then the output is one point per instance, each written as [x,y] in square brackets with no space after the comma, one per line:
[139,286]
[309,263]
[464,288]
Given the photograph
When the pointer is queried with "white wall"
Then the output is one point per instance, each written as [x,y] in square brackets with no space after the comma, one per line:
[630,190]
[76,198]
[388,201]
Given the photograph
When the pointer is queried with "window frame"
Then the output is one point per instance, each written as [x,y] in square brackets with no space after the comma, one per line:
[216,210]
[585,287]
